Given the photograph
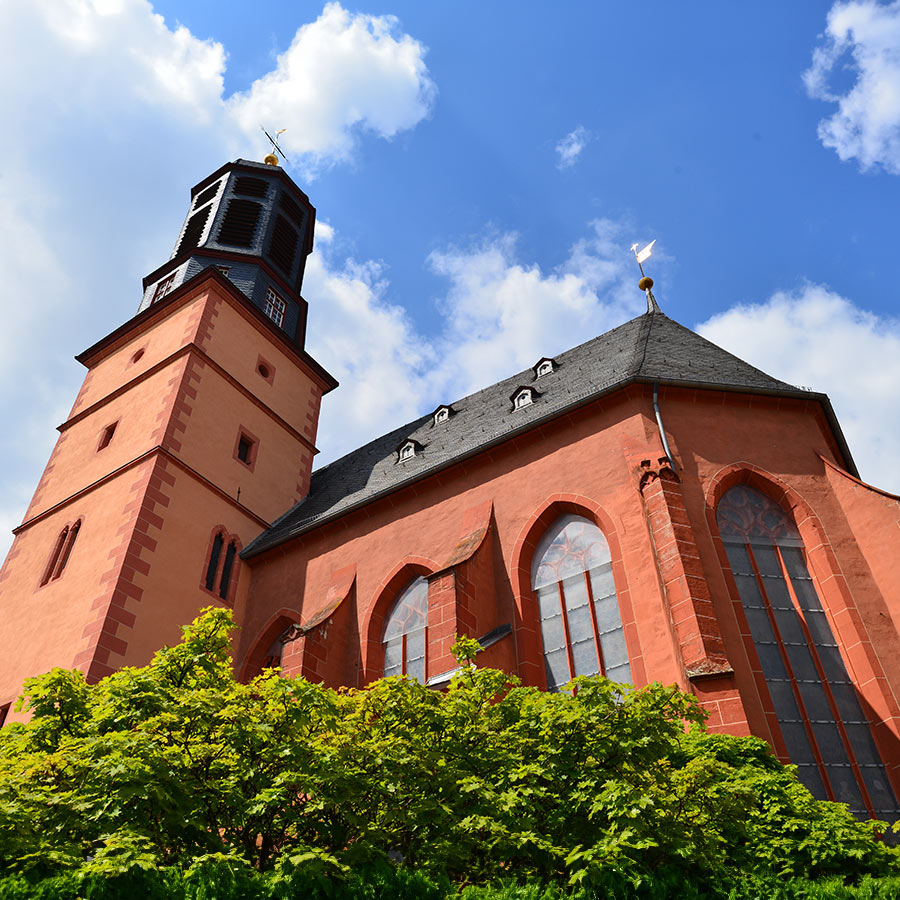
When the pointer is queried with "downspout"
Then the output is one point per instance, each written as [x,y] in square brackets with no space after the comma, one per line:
[659,422]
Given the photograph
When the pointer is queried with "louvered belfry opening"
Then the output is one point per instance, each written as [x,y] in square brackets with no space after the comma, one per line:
[190,240]
[251,187]
[283,246]
[205,196]
[241,218]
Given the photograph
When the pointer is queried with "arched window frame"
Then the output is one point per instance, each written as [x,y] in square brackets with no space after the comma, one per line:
[61,552]
[529,646]
[381,602]
[805,524]
[580,601]
[410,646]
[267,650]
[221,566]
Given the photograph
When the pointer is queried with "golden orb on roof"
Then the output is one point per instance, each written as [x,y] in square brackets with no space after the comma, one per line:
[645,283]
[270,159]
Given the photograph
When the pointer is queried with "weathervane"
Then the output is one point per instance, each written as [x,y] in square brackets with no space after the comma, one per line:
[271,159]
[646,283]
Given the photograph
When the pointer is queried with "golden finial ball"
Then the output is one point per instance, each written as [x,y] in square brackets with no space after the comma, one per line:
[645,283]
[270,159]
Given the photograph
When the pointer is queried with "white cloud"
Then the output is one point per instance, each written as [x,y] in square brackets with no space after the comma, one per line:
[499,316]
[103,102]
[570,147]
[341,73]
[815,337]
[864,36]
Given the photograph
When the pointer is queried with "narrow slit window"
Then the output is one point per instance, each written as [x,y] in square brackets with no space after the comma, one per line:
[212,569]
[107,435]
[221,567]
[66,551]
[227,566]
[4,712]
[54,556]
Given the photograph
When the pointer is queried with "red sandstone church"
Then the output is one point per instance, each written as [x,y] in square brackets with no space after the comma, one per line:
[645,506]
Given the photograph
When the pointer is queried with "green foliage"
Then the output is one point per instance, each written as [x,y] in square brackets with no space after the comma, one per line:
[176,781]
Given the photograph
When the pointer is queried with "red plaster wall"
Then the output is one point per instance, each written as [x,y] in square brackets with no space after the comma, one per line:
[591,460]
[151,499]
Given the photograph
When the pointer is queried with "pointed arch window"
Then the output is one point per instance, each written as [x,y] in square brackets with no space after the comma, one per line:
[220,567]
[62,550]
[405,630]
[822,723]
[581,625]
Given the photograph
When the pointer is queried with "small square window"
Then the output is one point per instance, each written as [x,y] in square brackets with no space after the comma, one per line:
[107,436]
[245,449]
[275,307]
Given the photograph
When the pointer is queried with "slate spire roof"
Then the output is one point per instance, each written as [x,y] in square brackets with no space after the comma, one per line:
[649,348]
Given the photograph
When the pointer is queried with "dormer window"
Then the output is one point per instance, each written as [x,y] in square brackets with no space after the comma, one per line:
[524,397]
[408,450]
[442,414]
[544,366]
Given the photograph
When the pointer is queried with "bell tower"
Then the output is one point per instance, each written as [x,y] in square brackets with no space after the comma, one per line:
[194,429]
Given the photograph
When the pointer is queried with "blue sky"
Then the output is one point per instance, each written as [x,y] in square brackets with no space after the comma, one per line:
[480,171]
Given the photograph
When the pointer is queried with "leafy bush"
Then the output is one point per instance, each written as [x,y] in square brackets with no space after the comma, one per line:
[174,780]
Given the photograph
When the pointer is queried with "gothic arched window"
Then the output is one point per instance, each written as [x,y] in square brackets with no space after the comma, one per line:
[219,571]
[581,625]
[404,632]
[62,550]
[825,731]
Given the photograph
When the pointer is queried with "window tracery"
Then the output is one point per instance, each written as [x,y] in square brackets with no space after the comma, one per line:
[581,625]
[405,631]
[822,723]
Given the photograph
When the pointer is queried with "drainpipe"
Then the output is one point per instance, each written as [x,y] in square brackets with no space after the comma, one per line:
[659,422]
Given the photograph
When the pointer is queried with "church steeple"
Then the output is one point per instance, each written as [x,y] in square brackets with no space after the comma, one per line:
[252,223]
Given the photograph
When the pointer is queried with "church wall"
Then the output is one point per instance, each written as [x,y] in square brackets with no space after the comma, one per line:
[580,454]
[783,444]
[45,624]
[77,461]
[163,335]
[239,346]
[279,464]
[873,518]
[170,588]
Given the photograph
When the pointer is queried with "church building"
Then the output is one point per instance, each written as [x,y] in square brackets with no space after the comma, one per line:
[644,506]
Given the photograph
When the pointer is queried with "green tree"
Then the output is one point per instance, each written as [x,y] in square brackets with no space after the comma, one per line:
[178,767]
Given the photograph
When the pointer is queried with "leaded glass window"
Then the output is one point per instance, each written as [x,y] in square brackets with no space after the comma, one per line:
[404,632]
[581,626]
[822,722]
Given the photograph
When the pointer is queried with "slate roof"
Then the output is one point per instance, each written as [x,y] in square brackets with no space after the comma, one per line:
[649,348]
